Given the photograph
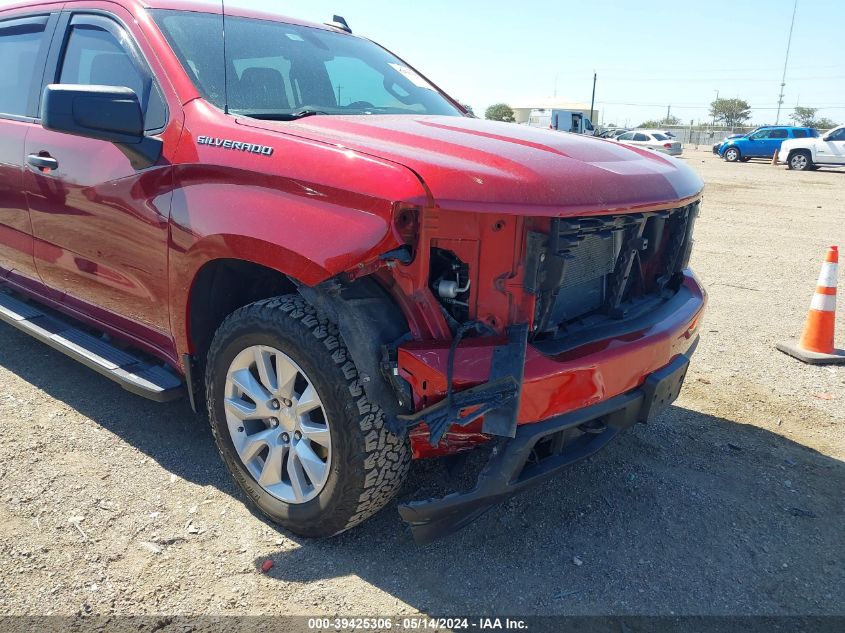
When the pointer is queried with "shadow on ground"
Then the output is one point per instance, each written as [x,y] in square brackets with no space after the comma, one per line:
[692,514]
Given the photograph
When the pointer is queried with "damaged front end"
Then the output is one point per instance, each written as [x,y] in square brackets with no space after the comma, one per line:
[577,329]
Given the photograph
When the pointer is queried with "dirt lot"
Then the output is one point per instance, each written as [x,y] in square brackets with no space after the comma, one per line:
[731,504]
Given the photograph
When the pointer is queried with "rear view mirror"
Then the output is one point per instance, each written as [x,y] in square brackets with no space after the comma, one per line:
[106,113]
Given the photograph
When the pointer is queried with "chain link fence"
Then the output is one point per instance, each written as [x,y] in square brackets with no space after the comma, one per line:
[705,135]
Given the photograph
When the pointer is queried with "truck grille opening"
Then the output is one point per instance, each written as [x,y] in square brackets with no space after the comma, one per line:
[588,271]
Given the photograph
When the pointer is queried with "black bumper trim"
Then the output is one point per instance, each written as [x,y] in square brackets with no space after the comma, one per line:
[511,469]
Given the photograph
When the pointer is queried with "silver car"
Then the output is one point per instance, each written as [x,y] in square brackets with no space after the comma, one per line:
[653,140]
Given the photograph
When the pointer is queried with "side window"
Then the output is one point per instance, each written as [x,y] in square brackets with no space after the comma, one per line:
[20,41]
[760,134]
[627,136]
[779,134]
[839,135]
[799,133]
[93,56]
[640,137]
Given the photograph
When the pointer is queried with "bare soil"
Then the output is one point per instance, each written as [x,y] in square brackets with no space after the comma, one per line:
[731,503]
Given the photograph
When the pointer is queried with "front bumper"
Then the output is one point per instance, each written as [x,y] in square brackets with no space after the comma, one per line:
[541,450]
[603,379]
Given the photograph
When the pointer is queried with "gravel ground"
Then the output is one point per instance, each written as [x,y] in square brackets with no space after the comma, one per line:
[732,503]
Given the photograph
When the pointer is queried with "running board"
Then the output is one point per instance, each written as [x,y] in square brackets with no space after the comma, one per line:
[155,382]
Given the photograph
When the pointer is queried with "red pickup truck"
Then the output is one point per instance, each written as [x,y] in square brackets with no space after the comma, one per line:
[304,235]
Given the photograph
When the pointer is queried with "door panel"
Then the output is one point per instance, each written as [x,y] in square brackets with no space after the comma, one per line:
[24,41]
[100,226]
[15,229]
[831,151]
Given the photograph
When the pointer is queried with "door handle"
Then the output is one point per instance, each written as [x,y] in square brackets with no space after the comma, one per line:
[44,163]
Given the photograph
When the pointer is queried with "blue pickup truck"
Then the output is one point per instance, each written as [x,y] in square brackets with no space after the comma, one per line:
[764,142]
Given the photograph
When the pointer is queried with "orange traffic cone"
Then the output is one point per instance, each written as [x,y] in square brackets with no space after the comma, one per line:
[816,344]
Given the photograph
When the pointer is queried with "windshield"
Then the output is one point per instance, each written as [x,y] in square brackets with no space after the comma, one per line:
[283,71]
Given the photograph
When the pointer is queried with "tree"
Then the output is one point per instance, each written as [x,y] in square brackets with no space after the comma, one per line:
[806,117]
[664,122]
[731,112]
[824,123]
[499,112]
[803,116]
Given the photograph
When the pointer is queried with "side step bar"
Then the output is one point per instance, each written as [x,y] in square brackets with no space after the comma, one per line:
[155,382]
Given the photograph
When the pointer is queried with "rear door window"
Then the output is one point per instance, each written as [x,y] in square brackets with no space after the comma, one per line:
[640,137]
[799,133]
[779,134]
[20,42]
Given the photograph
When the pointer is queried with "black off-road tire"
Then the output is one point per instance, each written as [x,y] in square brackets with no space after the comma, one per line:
[368,463]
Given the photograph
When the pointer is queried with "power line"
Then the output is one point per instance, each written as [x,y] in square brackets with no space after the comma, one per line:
[722,69]
[697,107]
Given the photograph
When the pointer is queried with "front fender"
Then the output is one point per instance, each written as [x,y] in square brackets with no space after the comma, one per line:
[271,222]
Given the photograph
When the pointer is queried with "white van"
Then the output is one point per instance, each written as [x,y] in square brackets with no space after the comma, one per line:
[561,120]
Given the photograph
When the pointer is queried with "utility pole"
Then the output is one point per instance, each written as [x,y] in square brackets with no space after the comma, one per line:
[593,101]
[714,110]
[668,110]
[786,61]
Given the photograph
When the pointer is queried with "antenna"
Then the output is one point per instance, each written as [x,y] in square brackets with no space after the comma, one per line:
[225,63]
[338,22]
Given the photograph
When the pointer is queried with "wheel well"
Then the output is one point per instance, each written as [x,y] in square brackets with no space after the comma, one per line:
[221,287]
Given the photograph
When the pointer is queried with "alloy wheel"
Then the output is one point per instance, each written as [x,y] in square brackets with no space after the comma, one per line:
[278,424]
[798,162]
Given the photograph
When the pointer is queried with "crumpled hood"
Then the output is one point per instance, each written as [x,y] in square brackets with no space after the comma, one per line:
[475,165]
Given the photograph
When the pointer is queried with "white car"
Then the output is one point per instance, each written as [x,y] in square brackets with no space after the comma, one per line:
[808,153]
[650,139]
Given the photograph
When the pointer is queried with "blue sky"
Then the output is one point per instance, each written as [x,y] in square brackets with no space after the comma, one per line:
[654,52]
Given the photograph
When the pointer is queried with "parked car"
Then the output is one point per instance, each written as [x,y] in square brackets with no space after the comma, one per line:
[802,154]
[763,142]
[293,234]
[612,132]
[651,139]
[719,144]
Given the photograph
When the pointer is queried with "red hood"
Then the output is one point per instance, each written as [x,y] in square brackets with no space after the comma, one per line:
[475,165]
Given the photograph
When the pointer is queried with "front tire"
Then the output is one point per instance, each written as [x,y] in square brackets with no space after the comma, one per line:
[800,161]
[292,422]
[732,155]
